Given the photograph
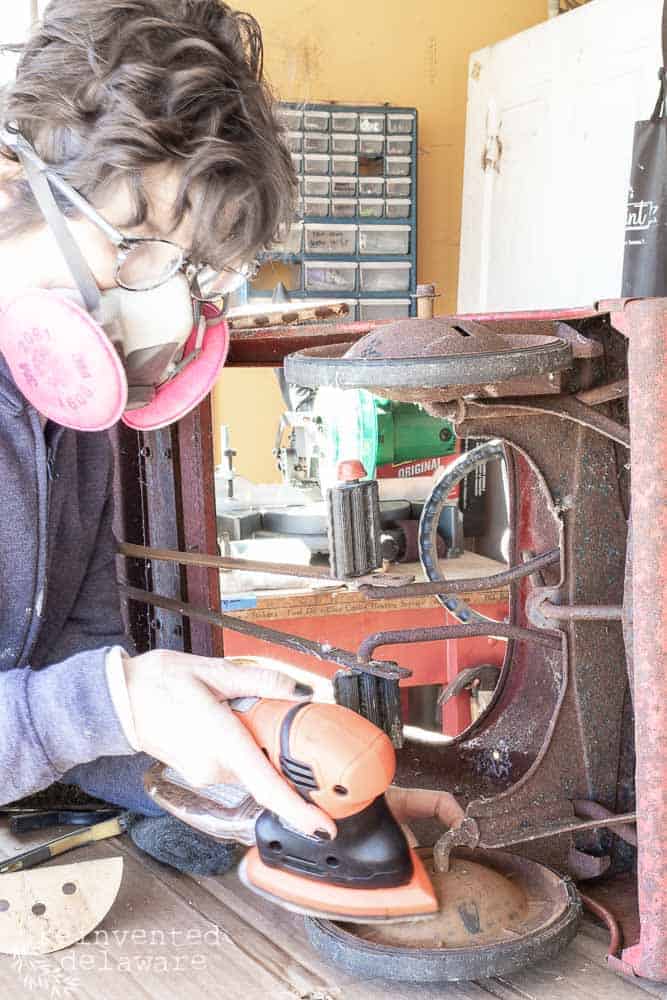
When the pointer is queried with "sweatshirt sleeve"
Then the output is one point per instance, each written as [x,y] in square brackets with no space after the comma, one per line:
[63,714]
[53,719]
[95,619]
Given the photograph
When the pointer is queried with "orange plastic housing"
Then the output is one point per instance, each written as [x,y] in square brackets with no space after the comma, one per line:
[352,760]
[311,895]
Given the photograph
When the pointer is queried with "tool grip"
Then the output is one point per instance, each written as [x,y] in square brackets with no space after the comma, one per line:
[334,757]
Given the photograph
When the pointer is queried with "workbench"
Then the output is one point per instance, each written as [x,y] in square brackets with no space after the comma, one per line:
[169,935]
[345,617]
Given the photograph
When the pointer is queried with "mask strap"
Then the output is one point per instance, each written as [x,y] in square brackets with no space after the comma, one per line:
[48,205]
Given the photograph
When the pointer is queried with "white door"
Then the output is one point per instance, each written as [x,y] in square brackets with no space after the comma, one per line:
[549,136]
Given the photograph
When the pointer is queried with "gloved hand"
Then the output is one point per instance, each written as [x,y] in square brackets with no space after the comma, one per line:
[180,717]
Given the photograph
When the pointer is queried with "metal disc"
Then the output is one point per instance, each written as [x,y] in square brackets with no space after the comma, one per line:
[499,912]
[420,360]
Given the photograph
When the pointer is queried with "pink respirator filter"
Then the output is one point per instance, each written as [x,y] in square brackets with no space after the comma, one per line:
[64,364]
[185,391]
[62,361]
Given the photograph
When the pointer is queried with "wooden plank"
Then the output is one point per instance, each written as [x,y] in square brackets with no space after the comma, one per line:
[276,939]
[269,609]
[170,934]
[155,941]
[294,603]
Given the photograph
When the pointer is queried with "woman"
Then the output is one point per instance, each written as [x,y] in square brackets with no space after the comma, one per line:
[152,122]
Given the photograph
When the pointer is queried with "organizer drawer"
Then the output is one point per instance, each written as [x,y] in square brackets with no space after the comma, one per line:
[316,163]
[399,146]
[344,121]
[398,124]
[344,187]
[319,207]
[388,276]
[291,118]
[371,208]
[399,187]
[371,187]
[371,145]
[316,142]
[294,141]
[344,208]
[329,276]
[330,238]
[345,143]
[384,308]
[316,121]
[398,166]
[384,239]
[398,208]
[347,165]
[372,122]
[317,187]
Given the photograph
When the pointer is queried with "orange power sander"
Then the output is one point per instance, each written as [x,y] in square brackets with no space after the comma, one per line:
[343,764]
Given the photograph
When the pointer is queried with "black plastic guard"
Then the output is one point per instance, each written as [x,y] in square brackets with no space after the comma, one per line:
[370,851]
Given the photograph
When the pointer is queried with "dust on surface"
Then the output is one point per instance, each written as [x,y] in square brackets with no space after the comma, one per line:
[478,906]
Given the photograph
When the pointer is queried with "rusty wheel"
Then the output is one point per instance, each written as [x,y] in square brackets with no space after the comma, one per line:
[499,912]
[427,360]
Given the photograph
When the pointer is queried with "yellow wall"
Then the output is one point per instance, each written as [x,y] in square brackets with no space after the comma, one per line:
[372,51]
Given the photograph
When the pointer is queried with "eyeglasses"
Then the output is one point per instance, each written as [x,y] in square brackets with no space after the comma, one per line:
[144,262]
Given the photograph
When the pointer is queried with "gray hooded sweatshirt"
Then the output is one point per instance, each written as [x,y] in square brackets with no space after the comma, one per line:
[59,603]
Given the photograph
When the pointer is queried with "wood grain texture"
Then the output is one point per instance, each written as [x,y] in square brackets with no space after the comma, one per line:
[172,936]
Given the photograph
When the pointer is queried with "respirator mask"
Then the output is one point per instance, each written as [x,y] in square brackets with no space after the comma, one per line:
[147,351]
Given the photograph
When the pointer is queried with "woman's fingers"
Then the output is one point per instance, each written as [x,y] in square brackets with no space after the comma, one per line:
[234,681]
[266,786]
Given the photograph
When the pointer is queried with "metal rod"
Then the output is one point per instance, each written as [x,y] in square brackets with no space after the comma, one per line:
[386,669]
[587,809]
[566,407]
[607,917]
[582,612]
[575,410]
[463,586]
[604,393]
[446,632]
[574,827]
[225,562]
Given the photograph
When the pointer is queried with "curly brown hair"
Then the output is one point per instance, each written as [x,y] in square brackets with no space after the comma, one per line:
[107,88]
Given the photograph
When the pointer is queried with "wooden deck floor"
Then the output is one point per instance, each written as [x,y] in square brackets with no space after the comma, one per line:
[172,936]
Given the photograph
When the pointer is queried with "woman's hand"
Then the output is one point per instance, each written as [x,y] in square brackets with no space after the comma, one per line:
[180,716]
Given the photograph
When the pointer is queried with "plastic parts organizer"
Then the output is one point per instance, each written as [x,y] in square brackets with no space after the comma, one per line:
[355,235]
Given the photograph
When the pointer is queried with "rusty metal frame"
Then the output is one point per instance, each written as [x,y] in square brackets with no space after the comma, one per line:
[556,734]
[164,498]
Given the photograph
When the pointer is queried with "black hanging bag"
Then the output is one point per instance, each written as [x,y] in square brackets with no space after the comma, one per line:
[645,259]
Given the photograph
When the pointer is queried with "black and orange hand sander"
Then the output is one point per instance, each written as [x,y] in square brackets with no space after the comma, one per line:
[343,764]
